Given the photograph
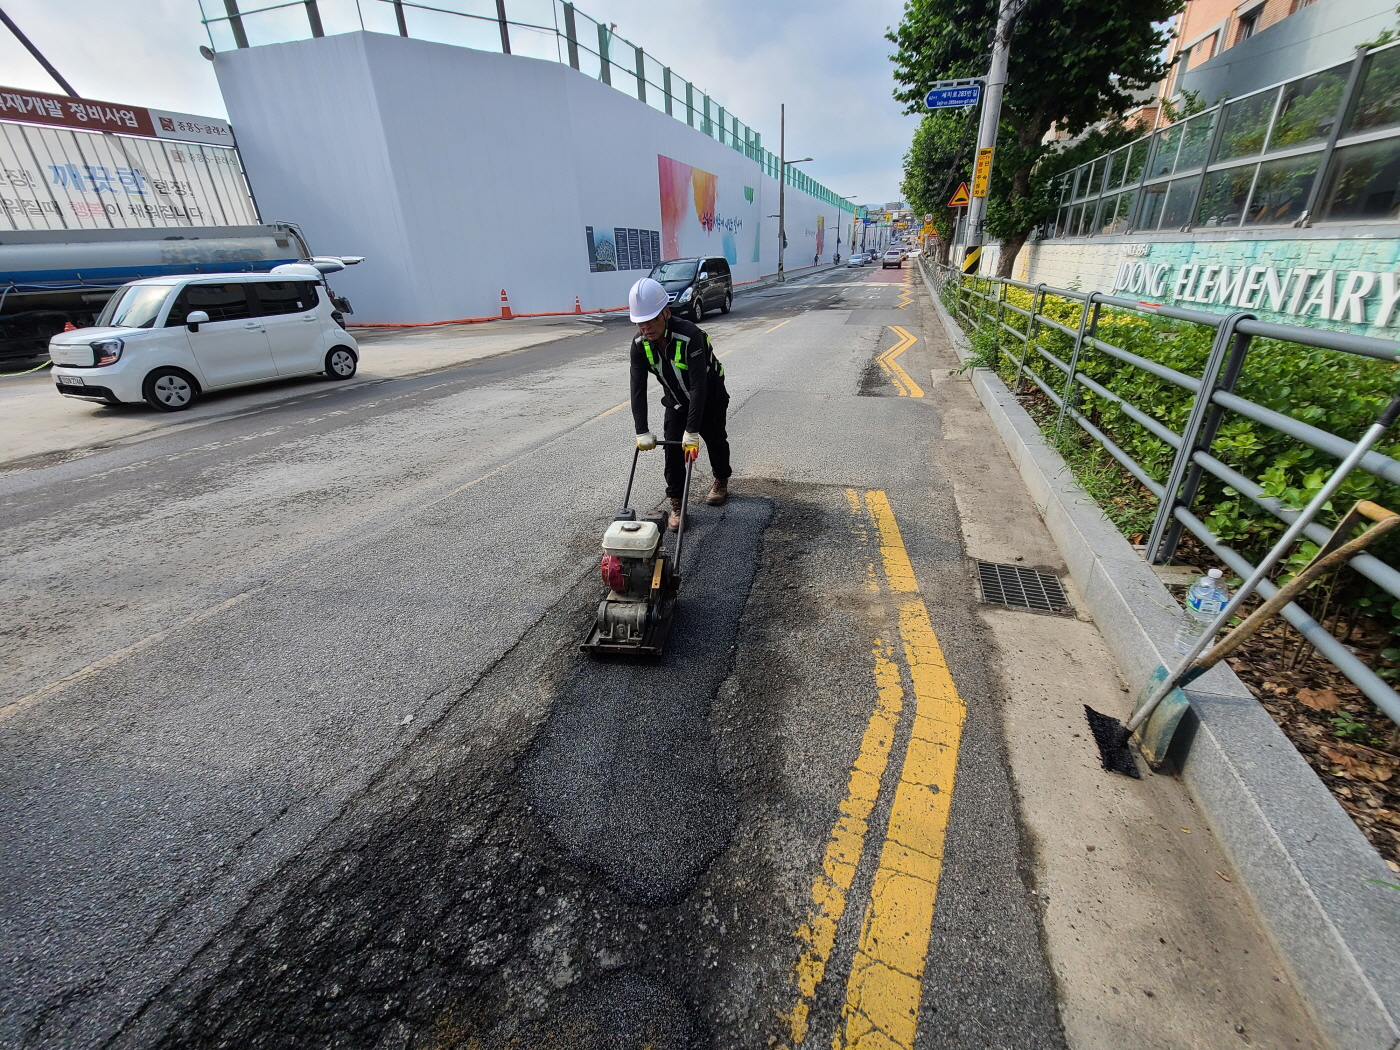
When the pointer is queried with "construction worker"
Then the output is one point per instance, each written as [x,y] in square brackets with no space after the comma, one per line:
[679,354]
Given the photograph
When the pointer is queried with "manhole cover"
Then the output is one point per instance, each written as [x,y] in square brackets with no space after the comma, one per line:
[1017,587]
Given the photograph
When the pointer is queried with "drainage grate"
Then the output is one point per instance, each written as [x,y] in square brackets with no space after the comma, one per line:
[1020,588]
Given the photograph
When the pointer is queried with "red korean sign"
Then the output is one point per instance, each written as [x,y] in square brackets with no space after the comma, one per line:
[38,107]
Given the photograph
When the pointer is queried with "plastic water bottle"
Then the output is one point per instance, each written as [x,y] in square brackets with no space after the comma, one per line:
[1204,601]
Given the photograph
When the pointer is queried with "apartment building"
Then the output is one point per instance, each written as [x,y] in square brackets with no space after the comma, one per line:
[1224,48]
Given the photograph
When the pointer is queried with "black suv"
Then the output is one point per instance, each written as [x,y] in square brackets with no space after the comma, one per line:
[696,285]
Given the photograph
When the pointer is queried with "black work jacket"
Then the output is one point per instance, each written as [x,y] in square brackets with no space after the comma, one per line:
[684,362]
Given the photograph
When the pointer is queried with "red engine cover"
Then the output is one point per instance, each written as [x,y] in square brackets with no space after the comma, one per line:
[612,572]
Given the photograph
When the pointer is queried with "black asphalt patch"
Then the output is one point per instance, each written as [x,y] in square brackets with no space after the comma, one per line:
[438,911]
[623,774]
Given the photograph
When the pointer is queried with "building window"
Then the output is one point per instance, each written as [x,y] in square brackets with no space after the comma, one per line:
[1248,23]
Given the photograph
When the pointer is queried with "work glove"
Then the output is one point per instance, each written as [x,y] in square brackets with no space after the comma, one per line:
[690,445]
[646,442]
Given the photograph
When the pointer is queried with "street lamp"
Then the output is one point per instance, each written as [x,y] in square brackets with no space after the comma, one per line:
[782,186]
[852,245]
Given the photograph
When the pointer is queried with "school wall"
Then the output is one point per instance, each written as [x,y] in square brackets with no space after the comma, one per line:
[1346,278]
[458,173]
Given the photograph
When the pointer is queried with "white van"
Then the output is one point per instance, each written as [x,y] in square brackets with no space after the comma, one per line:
[166,340]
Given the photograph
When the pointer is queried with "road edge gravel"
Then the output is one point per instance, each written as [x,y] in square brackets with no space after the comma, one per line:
[1310,871]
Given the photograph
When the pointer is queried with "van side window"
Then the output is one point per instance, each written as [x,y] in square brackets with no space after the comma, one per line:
[310,296]
[222,302]
[280,297]
[718,267]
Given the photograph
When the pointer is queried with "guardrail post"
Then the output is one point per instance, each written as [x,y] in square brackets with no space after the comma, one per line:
[235,22]
[1032,330]
[313,16]
[1234,365]
[570,34]
[1088,325]
[604,59]
[999,312]
[1210,376]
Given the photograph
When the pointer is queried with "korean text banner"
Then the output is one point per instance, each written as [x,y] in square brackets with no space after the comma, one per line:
[55,179]
[38,107]
[700,216]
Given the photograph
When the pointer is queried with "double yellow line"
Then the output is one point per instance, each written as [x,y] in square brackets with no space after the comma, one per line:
[906,296]
[885,986]
[903,382]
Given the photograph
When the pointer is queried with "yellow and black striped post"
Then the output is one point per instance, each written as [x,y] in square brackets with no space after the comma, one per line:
[972,255]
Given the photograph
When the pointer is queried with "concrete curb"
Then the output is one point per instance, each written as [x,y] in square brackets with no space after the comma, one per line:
[1310,872]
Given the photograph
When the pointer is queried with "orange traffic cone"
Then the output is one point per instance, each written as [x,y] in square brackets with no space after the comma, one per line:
[578,306]
[69,326]
[505,306]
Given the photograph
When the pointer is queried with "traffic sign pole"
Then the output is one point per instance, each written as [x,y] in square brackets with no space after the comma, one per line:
[987,132]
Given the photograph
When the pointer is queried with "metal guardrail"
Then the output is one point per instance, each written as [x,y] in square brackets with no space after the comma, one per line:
[547,29]
[981,303]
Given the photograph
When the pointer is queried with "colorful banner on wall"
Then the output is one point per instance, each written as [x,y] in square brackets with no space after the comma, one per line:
[699,216]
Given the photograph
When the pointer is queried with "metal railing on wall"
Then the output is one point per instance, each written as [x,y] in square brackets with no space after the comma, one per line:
[546,29]
[982,304]
[1322,147]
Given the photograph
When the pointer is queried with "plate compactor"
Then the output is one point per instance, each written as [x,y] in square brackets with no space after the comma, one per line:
[642,577]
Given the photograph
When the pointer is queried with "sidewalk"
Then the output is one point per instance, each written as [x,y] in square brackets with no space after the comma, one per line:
[41,422]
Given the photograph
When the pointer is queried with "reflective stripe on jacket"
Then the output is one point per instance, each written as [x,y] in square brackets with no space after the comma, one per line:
[684,362]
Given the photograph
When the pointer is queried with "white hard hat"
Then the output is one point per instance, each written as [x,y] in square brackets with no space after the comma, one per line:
[646,299]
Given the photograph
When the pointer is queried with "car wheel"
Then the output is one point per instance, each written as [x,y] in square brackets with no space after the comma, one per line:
[340,362]
[728,303]
[170,390]
[697,310]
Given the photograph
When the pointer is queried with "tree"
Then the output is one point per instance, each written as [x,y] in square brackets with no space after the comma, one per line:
[1073,63]
[938,159]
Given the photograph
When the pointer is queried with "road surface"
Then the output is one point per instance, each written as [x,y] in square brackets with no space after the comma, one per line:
[299,750]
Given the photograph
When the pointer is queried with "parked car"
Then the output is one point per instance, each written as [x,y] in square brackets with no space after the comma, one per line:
[894,257]
[694,286]
[858,259]
[166,340]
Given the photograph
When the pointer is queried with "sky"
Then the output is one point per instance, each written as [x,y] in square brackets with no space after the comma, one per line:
[826,59]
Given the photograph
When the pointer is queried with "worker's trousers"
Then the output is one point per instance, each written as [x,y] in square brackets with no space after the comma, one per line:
[712,433]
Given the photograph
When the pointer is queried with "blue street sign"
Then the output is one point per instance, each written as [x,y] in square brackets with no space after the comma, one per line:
[954,97]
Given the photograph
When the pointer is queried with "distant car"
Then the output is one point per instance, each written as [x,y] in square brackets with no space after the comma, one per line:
[858,259]
[914,253]
[166,340]
[696,285]
[894,257]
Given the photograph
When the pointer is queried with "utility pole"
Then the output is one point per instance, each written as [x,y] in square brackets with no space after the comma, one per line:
[783,165]
[782,187]
[987,130]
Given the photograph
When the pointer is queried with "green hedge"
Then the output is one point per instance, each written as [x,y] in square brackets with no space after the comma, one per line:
[1333,391]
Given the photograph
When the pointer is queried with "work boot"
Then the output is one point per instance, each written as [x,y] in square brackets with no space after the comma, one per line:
[719,492]
[675,520]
